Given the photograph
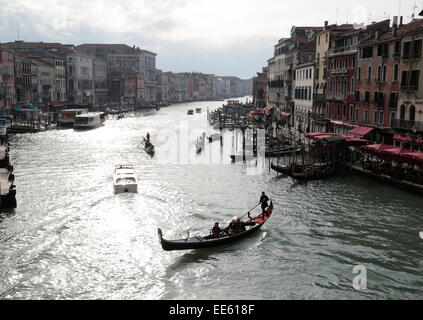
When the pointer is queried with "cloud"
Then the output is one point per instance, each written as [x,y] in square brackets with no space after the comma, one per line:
[214,33]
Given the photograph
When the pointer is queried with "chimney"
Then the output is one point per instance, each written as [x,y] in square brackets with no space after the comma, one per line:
[401,20]
[326,24]
[395,26]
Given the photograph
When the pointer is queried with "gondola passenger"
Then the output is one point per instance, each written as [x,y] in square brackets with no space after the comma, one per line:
[216,230]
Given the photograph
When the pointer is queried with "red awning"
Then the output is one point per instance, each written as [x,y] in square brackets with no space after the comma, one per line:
[375,148]
[361,131]
[59,104]
[413,158]
[257,112]
[354,142]
[392,153]
[268,108]
[284,114]
[403,138]
[314,135]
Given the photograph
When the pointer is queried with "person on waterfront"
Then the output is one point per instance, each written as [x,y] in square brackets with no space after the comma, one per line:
[216,230]
[264,203]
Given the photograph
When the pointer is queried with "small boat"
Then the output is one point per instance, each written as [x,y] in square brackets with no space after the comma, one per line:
[149,147]
[190,112]
[210,241]
[283,169]
[313,173]
[198,110]
[121,116]
[125,179]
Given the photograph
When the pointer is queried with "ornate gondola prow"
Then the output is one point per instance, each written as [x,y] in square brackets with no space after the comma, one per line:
[160,236]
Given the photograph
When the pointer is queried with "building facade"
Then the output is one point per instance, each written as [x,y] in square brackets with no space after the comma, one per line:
[7,79]
[80,79]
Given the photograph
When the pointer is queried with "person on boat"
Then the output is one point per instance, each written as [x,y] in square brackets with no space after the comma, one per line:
[232,229]
[148,136]
[264,204]
[216,230]
[239,225]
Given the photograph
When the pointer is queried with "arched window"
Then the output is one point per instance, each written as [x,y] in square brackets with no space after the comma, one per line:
[412,113]
[379,73]
[402,112]
[396,72]
[384,74]
[345,85]
[352,85]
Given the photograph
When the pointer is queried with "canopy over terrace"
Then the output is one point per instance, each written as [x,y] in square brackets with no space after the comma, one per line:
[412,158]
[392,153]
[361,131]
[329,137]
[407,139]
[375,148]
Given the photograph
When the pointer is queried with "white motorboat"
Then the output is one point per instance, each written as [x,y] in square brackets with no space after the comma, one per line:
[125,179]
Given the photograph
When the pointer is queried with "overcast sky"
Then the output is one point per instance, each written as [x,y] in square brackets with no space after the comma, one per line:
[224,37]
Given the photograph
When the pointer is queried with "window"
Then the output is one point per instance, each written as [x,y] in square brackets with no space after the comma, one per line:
[397,50]
[393,100]
[353,62]
[351,112]
[384,73]
[415,74]
[417,49]
[352,85]
[367,52]
[379,73]
[381,117]
[396,71]
[369,74]
[367,97]
[366,115]
[392,119]
[402,112]
[375,116]
[412,113]
[359,75]
[406,50]
[357,114]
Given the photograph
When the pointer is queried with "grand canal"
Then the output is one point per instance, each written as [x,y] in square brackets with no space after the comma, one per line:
[72,238]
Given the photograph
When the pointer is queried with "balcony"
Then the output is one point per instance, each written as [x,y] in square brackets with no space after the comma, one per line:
[409,88]
[337,96]
[342,50]
[408,125]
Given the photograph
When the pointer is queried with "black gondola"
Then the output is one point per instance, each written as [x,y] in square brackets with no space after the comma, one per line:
[211,241]
[148,147]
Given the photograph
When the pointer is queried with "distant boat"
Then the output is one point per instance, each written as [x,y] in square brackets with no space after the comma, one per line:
[190,112]
[125,179]
[88,121]
[198,110]
[214,137]
[149,147]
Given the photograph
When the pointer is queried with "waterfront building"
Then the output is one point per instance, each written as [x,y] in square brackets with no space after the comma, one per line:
[7,79]
[409,116]
[100,82]
[80,78]
[23,85]
[323,41]
[378,78]
[43,82]
[260,89]
[128,60]
[341,81]
[304,90]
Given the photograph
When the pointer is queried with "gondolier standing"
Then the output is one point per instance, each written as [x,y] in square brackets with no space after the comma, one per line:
[264,203]
[148,136]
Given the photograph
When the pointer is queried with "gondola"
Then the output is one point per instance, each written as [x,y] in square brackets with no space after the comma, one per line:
[148,147]
[310,174]
[210,241]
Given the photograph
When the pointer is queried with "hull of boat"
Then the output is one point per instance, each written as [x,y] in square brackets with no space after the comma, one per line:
[125,188]
[211,242]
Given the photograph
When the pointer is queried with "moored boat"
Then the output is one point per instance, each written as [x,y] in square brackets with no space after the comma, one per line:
[67,117]
[198,110]
[211,241]
[190,112]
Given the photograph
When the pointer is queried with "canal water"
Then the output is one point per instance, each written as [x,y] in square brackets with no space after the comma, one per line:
[71,237]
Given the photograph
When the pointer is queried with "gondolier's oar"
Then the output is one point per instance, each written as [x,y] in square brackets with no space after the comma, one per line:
[249,211]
